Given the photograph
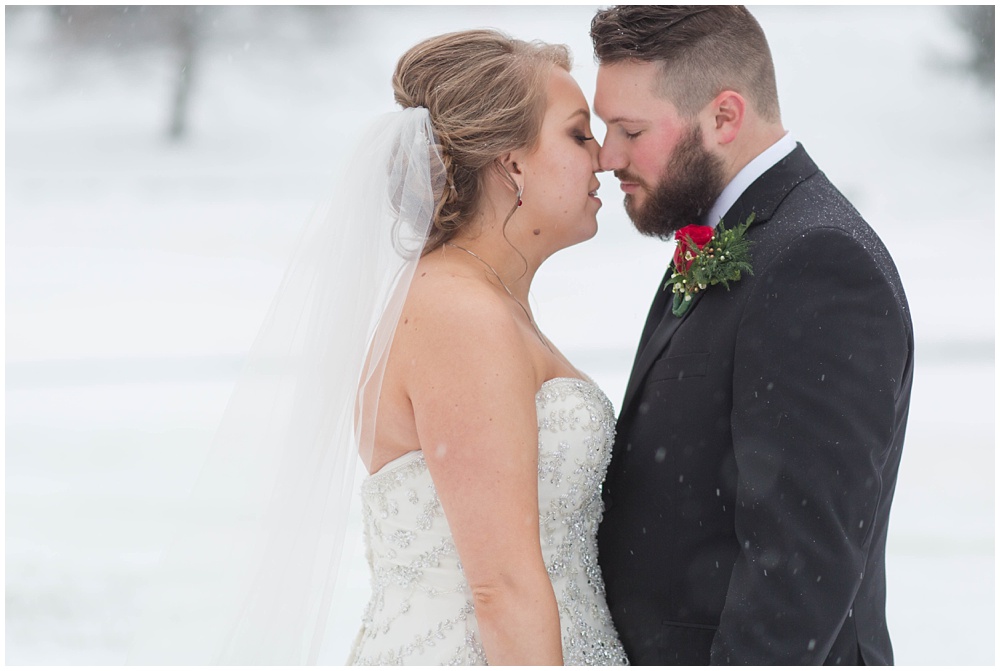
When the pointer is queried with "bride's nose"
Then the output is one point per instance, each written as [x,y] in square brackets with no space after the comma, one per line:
[595,155]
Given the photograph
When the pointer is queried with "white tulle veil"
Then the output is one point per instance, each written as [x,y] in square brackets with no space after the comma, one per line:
[249,579]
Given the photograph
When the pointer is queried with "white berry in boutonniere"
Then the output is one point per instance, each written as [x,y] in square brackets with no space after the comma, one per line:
[704,257]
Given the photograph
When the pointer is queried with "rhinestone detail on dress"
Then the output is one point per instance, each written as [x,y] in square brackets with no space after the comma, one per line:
[421,609]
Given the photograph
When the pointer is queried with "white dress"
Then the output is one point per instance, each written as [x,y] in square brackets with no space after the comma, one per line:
[421,609]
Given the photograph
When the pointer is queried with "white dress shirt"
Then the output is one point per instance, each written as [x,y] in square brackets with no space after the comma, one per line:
[766,160]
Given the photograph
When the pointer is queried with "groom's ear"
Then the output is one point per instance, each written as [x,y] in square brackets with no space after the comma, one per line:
[727,111]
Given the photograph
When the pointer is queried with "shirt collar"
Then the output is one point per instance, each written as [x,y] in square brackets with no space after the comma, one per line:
[764,161]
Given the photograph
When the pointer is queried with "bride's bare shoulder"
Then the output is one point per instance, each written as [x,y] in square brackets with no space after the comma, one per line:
[448,299]
[456,331]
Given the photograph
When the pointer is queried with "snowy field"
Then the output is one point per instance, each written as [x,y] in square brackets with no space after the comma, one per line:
[137,270]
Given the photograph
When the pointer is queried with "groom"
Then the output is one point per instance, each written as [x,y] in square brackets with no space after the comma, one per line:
[748,495]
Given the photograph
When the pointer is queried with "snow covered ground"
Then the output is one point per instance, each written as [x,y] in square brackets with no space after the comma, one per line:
[137,271]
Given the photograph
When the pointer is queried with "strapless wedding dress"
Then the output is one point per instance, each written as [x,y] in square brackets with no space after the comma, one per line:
[421,609]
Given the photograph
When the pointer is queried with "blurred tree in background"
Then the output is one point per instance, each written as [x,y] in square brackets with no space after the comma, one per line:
[184,32]
[178,27]
[978,23]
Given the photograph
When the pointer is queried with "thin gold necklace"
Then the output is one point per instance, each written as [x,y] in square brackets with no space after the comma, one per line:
[507,289]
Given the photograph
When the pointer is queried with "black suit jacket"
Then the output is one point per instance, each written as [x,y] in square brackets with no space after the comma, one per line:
[748,495]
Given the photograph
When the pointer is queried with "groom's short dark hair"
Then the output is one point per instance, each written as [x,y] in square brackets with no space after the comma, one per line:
[702,51]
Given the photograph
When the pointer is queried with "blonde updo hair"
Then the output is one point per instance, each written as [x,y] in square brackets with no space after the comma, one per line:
[486,93]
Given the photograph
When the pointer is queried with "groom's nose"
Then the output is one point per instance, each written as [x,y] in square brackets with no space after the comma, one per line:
[611,157]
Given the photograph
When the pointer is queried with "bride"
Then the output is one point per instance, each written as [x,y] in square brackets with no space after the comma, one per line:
[402,335]
[490,447]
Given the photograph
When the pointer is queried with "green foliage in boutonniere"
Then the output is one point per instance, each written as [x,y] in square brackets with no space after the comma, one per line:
[704,257]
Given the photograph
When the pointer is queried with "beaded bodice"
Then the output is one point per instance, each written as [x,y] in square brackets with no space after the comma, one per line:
[421,609]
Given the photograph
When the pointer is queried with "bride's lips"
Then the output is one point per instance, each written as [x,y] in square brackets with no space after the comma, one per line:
[593,195]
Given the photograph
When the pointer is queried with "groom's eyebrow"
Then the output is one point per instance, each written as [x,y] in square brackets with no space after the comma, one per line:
[623,119]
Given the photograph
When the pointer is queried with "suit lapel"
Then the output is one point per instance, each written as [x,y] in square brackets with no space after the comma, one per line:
[661,304]
[656,343]
[762,198]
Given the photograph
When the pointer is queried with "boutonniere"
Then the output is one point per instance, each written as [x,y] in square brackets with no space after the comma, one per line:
[705,256]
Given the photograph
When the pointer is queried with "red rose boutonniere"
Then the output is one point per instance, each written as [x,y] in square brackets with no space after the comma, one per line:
[704,257]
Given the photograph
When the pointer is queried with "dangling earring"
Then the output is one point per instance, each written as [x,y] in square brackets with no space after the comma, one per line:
[520,190]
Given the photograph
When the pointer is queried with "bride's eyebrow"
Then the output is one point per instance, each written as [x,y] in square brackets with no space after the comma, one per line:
[582,111]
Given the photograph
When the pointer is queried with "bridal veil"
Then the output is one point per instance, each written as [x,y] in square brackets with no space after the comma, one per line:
[250,576]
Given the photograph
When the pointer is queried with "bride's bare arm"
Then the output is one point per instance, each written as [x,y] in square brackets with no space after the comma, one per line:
[472,385]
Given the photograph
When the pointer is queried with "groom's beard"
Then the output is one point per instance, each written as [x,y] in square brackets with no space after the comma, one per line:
[688,187]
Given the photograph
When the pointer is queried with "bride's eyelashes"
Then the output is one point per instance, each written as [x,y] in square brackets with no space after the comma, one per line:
[581,138]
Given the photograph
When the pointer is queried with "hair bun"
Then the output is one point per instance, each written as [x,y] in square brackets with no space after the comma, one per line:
[486,95]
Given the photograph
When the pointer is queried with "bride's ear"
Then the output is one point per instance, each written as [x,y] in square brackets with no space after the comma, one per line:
[510,171]
[510,162]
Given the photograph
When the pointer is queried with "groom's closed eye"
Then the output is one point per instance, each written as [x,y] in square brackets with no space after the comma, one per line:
[631,135]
